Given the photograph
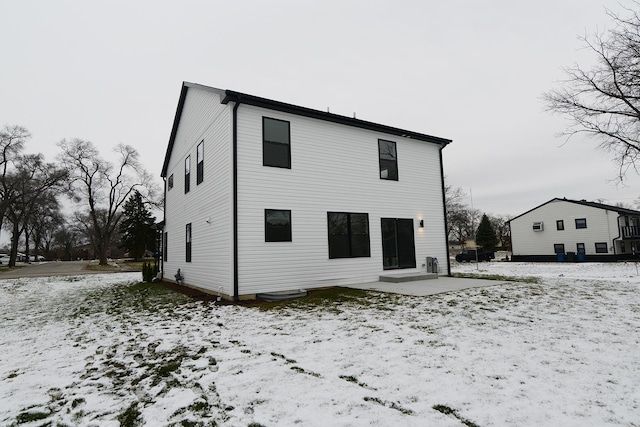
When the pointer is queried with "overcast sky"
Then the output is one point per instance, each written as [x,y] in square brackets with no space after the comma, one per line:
[110,72]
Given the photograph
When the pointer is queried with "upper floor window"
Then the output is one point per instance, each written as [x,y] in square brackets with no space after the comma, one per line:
[388,160]
[348,234]
[188,243]
[200,163]
[601,248]
[560,224]
[187,174]
[277,225]
[581,223]
[170,181]
[276,146]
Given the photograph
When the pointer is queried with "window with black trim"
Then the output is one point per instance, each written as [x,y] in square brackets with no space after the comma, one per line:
[200,162]
[348,235]
[277,225]
[170,181]
[188,243]
[276,143]
[388,160]
[164,245]
[560,224]
[581,223]
[558,248]
[602,248]
[187,174]
[580,248]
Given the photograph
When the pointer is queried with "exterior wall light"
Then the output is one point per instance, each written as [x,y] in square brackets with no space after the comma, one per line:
[422,223]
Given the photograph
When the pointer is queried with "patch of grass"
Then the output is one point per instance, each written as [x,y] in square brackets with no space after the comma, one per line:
[302,371]
[452,412]
[28,417]
[131,416]
[497,277]
[352,379]
[318,297]
[388,404]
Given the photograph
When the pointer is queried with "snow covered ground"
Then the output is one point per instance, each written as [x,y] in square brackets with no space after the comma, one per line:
[104,350]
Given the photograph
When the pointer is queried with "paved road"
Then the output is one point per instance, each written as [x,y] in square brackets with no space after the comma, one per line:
[53,268]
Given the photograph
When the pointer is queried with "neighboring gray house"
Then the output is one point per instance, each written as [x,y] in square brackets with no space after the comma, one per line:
[563,229]
[263,196]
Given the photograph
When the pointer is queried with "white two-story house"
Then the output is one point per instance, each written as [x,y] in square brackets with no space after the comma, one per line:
[575,230]
[263,196]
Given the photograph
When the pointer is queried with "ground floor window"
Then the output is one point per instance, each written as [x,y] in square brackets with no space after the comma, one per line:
[580,248]
[348,235]
[601,248]
[164,245]
[188,243]
[277,225]
[558,248]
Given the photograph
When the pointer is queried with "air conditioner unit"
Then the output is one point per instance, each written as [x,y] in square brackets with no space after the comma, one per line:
[538,226]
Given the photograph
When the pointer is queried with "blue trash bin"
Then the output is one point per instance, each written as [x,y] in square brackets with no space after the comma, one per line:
[580,257]
[561,257]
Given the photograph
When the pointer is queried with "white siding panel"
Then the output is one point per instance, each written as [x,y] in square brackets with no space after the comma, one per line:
[207,206]
[334,168]
[601,227]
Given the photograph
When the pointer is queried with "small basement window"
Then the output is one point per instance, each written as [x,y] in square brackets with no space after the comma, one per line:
[538,226]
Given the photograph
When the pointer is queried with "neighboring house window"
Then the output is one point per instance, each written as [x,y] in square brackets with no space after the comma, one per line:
[388,160]
[187,174]
[277,225]
[601,248]
[538,226]
[623,248]
[580,248]
[581,223]
[276,143]
[558,248]
[200,163]
[188,243]
[348,234]
[560,224]
[170,181]
[164,245]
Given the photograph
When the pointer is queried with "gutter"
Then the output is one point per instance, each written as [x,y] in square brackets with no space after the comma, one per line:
[444,209]
[235,200]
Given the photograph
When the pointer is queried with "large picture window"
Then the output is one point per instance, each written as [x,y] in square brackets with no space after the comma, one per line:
[276,143]
[200,163]
[277,225]
[188,243]
[187,174]
[388,160]
[348,235]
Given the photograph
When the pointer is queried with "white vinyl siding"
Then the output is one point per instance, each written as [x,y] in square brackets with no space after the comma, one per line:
[334,168]
[602,226]
[207,206]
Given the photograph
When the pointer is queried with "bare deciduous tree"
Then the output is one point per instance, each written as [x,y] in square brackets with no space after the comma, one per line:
[102,188]
[604,101]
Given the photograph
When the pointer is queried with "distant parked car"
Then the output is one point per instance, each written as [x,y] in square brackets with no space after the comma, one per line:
[4,259]
[33,259]
[470,255]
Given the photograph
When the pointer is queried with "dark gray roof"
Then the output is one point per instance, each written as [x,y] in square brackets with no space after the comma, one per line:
[243,98]
[619,210]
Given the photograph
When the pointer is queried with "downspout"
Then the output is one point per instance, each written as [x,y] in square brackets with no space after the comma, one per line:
[236,298]
[444,209]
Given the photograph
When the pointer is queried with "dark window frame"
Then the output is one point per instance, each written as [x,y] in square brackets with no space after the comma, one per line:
[170,182]
[268,145]
[187,174]
[165,245]
[274,235]
[384,166]
[581,248]
[557,246]
[355,245]
[602,248]
[200,163]
[560,224]
[581,223]
[188,242]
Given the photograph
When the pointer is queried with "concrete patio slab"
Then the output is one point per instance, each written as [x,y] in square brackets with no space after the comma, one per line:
[422,288]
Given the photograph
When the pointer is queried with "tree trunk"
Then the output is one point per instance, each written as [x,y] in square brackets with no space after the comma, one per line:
[14,245]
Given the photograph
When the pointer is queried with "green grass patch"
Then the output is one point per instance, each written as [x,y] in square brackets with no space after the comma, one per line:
[452,412]
[29,417]
[497,277]
[131,416]
[316,297]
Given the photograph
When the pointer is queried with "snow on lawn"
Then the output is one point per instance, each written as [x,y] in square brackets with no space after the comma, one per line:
[106,350]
